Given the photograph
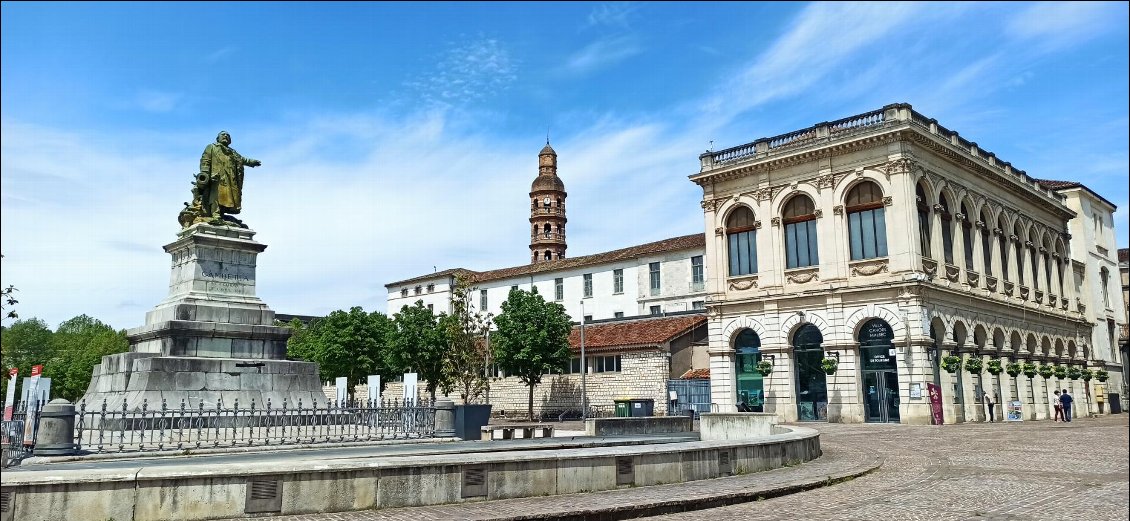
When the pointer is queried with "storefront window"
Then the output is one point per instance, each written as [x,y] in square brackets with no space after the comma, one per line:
[750,382]
[811,381]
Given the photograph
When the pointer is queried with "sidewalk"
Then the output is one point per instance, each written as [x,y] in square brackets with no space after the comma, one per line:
[838,463]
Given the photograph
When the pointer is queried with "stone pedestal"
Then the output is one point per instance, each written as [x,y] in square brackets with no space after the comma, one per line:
[212,340]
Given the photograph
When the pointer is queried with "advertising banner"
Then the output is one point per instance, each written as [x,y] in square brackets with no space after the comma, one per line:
[374,382]
[342,386]
[935,403]
[410,380]
[10,398]
[1014,411]
[32,398]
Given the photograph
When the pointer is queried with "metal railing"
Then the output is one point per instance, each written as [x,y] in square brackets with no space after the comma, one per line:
[12,434]
[107,428]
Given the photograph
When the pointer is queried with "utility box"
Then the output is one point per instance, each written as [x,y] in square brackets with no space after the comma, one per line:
[1115,403]
[623,408]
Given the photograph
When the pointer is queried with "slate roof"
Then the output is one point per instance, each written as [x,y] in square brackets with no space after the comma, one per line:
[642,333]
[685,242]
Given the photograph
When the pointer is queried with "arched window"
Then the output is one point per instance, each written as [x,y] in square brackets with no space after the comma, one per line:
[1048,270]
[1019,255]
[923,220]
[867,223]
[811,381]
[548,255]
[1034,254]
[559,205]
[1104,278]
[800,233]
[742,238]
[547,229]
[1004,248]
[967,236]
[747,347]
[986,246]
[947,230]
[546,202]
[1059,270]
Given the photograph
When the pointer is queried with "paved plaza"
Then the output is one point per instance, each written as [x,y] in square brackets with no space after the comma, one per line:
[1007,471]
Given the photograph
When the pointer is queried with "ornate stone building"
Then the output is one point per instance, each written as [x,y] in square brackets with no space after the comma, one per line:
[547,210]
[886,242]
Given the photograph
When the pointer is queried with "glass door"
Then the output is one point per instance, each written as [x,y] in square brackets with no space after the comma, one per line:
[881,396]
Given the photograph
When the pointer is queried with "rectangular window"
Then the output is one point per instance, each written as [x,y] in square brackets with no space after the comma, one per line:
[698,304]
[574,366]
[559,289]
[653,273]
[404,292]
[868,234]
[430,307]
[618,314]
[800,244]
[482,300]
[697,278]
[655,310]
[743,253]
[588,284]
[431,288]
[514,288]
[617,281]
[606,364]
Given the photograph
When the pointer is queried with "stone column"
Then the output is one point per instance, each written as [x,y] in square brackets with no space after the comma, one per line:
[56,435]
[723,390]
[951,405]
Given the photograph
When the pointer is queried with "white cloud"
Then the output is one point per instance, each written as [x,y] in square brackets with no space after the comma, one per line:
[603,52]
[615,14]
[1056,24]
[157,101]
[469,71]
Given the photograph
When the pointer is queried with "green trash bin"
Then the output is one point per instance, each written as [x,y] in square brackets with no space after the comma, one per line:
[623,408]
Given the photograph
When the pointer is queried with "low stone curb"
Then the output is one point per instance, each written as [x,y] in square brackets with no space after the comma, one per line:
[691,504]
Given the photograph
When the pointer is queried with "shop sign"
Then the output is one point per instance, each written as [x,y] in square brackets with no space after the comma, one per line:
[935,403]
[1014,411]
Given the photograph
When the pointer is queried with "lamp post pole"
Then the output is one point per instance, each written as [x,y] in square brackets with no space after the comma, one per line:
[584,367]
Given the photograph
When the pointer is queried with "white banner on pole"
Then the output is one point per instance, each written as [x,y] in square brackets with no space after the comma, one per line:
[342,384]
[374,382]
[410,380]
[10,398]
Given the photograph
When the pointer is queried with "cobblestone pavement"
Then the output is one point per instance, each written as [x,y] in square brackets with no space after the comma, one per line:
[1005,471]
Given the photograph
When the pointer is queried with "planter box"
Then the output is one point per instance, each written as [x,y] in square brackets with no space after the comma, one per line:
[469,420]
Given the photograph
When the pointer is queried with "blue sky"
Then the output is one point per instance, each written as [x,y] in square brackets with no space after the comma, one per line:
[400,136]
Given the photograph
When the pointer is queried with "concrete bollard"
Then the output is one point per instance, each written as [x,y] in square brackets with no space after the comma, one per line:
[56,435]
[445,418]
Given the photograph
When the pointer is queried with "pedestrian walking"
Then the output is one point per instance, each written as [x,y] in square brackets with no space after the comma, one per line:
[1057,403]
[1066,400]
[989,405]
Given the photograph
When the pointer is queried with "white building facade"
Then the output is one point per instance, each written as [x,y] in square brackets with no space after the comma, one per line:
[886,243]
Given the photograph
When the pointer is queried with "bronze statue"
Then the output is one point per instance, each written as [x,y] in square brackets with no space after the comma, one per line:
[217,191]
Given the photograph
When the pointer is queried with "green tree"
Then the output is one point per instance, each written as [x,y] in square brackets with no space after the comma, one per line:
[79,344]
[532,338]
[467,353]
[418,344]
[344,343]
[23,344]
[7,302]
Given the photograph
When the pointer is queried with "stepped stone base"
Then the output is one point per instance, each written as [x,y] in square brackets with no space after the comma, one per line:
[146,378]
[211,340]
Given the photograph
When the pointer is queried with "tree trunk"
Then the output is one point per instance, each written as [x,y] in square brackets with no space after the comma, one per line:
[531,402]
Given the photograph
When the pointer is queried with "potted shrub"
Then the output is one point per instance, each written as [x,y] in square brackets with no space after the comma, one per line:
[1101,375]
[1074,372]
[994,366]
[829,364]
[951,363]
[1013,369]
[765,367]
[1046,370]
[974,365]
[1086,374]
[1060,372]
[1029,369]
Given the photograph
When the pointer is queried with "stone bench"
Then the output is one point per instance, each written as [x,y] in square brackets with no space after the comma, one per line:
[528,431]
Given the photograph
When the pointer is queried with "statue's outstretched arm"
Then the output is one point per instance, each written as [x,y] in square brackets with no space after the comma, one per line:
[251,162]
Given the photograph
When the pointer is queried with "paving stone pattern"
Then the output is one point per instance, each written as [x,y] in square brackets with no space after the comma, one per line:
[1005,471]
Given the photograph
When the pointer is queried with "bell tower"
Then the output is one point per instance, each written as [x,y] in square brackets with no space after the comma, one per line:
[547,210]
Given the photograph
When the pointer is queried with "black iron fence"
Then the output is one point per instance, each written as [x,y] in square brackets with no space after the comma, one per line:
[109,428]
[14,432]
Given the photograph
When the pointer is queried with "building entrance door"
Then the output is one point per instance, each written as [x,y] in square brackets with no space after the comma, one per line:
[880,372]
[881,396]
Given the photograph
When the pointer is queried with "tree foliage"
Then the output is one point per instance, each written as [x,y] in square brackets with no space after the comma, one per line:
[418,343]
[68,354]
[532,338]
[467,353]
[8,301]
[352,344]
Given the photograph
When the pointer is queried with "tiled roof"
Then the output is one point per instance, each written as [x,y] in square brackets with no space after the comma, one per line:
[686,242]
[647,332]
[1124,255]
[1052,184]
[696,374]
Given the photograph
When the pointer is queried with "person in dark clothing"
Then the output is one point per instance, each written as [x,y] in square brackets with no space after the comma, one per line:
[989,406]
[1065,400]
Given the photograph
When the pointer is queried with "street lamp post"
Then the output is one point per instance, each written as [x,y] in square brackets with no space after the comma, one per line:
[584,367]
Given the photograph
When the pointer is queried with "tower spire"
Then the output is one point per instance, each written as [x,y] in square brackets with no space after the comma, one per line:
[547,209]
